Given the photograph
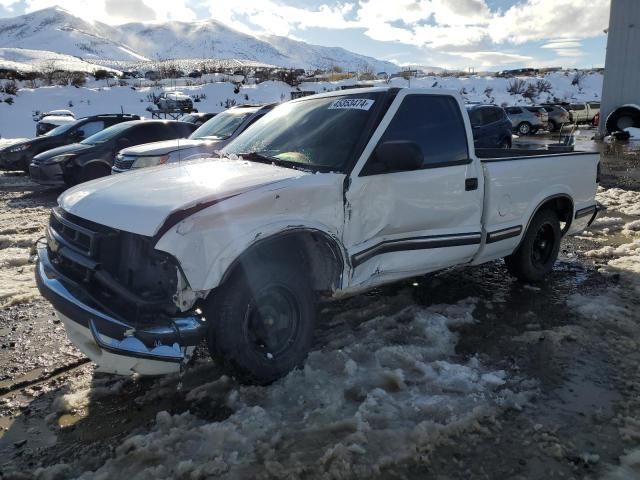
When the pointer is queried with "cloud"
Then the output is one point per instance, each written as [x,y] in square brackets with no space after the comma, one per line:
[121,11]
[272,17]
[135,10]
[492,59]
[562,44]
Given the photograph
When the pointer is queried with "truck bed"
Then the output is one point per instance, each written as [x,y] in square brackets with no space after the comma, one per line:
[499,154]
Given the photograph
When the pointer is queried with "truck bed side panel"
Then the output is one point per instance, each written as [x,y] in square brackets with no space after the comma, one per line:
[516,187]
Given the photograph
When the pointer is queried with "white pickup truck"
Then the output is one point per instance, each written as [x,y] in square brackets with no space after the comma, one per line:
[325,196]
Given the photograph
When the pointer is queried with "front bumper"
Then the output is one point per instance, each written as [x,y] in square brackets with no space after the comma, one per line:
[116,345]
[47,174]
[13,160]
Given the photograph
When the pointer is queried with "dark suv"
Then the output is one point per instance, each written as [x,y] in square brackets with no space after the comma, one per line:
[92,158]
[18,155]
[491,126]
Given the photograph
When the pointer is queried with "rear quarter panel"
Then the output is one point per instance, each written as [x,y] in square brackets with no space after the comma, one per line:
[516,188]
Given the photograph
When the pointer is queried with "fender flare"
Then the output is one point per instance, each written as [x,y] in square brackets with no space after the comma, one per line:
[336,246]
[564,196]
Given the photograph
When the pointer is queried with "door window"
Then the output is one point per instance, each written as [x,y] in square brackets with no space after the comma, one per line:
[91,128]
[435,124]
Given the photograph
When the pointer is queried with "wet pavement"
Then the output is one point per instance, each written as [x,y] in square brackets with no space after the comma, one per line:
[568,408]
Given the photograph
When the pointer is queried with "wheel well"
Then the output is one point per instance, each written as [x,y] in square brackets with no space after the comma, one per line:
[562,205]
[311,250]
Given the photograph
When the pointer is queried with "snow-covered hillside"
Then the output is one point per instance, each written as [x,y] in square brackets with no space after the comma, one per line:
[55,29]
[25,60]
[16,121]
[60,31]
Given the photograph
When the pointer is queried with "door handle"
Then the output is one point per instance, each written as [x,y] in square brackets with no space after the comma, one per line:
[471,184]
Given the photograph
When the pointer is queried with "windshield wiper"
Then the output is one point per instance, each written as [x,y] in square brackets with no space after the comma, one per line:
[259,157]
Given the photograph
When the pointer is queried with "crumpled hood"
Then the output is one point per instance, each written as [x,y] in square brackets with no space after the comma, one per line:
[162,148]
[73,148]
[140,201]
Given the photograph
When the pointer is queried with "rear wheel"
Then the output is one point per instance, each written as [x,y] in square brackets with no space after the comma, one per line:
[92,171]
[262,321]
[552,126]
[524,128]
[538,252]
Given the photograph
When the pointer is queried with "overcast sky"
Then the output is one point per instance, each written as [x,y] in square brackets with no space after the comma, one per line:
[450,33]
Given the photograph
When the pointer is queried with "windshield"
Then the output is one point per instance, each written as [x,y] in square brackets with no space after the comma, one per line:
[61,129]
[222,125]
[107,134]
[319,133]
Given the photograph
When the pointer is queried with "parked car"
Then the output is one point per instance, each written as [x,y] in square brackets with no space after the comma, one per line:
[527,120]
[19,155]
[491,126]
[558,117]
[333,194]
[47,121]
[583,112]
[211,136]
[93,157]
[175,101]
[198,118]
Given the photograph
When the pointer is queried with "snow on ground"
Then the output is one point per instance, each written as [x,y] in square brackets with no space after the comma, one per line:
[97,98]
[634,132]
[20,226]
[624,201]
[393,390]
[618,304]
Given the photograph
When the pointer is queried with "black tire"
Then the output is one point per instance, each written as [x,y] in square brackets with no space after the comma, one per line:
[92,171]
[552,126]
[622,118]
[538,252]
[240,335]
[524,128]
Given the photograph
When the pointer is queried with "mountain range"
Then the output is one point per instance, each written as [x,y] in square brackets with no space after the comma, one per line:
[58,30]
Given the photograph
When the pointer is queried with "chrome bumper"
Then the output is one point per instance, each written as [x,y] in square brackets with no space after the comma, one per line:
[164,343]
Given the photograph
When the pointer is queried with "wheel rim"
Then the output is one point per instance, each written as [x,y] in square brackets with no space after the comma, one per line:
[542,248]
[551,126]
[524,129]
[272,321]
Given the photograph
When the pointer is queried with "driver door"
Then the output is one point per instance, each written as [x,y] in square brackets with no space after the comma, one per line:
[400,222]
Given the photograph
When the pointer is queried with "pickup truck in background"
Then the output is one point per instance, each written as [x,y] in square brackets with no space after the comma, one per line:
[324,197]
[583,112]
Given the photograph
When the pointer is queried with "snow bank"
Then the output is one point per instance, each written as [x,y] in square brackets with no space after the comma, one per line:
[623,201]
[391,390]
[634,132]
[21,224]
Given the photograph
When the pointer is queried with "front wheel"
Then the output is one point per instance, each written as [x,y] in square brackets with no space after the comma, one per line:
[538,252]
[262,321]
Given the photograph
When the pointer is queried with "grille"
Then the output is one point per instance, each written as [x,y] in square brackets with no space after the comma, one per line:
[84,236]
[123,163]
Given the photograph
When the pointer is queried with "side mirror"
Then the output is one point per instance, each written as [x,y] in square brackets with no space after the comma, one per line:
[395,156]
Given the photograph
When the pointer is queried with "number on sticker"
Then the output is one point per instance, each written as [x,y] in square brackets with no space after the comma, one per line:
[352,104]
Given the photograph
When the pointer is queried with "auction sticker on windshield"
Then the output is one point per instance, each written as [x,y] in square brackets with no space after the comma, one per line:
[352,104]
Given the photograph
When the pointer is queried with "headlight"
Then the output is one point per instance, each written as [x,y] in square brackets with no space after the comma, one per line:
[19,148]
[144,162]
[60,158]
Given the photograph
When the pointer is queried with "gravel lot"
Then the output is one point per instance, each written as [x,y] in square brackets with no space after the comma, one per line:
[465,374]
